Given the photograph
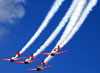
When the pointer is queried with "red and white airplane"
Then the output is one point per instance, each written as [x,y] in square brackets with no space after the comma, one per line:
[28,60]
[14,58]
[54,51]
[40,67]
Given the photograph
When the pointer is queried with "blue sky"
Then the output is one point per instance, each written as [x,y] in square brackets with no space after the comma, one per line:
[83,49]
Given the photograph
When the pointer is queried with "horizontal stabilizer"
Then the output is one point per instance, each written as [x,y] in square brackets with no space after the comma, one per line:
[18,53]
[58,47]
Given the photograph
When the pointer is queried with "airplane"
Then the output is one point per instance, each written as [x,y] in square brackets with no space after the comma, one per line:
[14,57]
[54,51]
[28,60]
[40,67]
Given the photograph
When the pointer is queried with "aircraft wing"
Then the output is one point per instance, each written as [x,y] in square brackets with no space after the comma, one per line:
[46,53]
[40,68]
[6,59]
[60,52]
[19,59]
[20,62]
[14,59]
[54,53]
[33,60]
[46,67]
[32,69]
[28,61]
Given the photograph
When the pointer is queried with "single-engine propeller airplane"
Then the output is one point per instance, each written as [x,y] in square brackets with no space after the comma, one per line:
[40,67]
[28,60]
[14,58]
[54,51]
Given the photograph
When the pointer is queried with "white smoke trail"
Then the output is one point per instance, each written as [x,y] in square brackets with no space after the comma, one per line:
[58,29]
[70,25]
[49,58]
[85,13]
[74,18]
[81,20]
[47,19]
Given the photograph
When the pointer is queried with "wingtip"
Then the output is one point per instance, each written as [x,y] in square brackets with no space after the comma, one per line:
[66,51]
[31,69]
[23,57]
[50,65]
[5,59]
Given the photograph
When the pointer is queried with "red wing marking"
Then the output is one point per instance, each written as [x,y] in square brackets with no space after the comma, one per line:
[32,69]
[46,54]
[19,59]
[20,62]
[6,59]
[61,52]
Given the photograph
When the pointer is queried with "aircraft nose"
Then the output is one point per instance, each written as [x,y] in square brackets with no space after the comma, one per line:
[11,60]
[52,54]
[26,62]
